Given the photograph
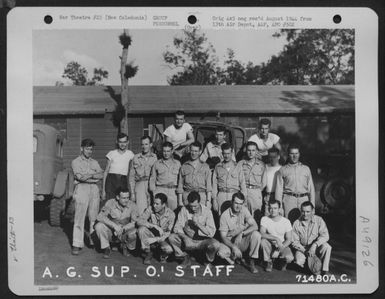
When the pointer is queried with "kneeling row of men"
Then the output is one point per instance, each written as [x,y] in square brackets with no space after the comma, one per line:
[194,231]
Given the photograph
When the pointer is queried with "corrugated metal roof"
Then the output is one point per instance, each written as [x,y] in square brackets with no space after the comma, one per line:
[273,99]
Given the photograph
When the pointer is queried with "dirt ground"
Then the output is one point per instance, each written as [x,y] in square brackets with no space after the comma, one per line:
[54,264]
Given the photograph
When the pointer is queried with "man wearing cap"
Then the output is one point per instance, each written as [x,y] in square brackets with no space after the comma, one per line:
[195,175]
[310,236]
[264,139]
[194,231]
[155,226]
[117,220]
[294,184]
[87,173]
[139,174]
[164,176]
[254,172]
[212,154]
[228,179]
[239,233]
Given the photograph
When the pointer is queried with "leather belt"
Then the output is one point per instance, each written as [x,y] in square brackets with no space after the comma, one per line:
[248,186]
[143,178]
[296,194]
[227,190]
[167,186]
[195,189]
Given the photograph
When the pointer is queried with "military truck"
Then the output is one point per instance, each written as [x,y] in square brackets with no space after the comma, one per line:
[332,173]
[53,185]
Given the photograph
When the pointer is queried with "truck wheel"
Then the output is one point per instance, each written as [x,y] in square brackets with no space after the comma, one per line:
[56,210]
[336,193]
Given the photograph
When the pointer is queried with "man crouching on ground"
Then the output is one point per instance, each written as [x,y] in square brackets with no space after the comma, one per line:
[194,229]
[117,221]
[239,232]
[155,225]
[277,235]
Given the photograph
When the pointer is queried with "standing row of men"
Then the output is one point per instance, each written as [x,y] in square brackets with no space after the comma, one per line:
[194,187]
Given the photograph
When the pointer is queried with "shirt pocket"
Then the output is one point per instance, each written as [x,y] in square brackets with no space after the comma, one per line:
[115,214]
[256,176]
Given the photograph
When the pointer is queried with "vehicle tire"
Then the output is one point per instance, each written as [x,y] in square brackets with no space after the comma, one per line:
[56,210]
[336,193]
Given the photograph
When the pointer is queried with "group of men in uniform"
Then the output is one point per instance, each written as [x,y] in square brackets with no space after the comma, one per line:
[210,205]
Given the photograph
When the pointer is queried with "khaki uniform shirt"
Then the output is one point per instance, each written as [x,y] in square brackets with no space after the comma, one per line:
[212,150]
[230,179]
[295,178]
[165,221]
[191,177]
[205,218]
[230,221]
[254,172]
[114,212]
[308,233]
[140,168]
[164,172]
[83,166]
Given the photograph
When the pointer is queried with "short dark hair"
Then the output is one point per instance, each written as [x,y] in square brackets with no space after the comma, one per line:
[226,146]
[121,135]
[307,204]
[264,121]
[180,112]
[146,137]
[251,143]
[293,146]
[162,197]
[220,129]
[121,190]
[238,195]
[273,150]
[167,144]
[274,201]
[196,144]
[87,142]
[193,196]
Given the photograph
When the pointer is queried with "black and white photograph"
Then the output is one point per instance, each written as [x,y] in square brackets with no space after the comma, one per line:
[195,156]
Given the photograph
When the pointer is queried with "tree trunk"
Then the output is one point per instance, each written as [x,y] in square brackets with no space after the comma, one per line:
[124,89]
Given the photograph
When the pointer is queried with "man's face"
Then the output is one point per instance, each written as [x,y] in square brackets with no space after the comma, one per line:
[264,130]
[179,121]
[220,137]
[157,205]
[236,205]
[122,143]
[193,207]
[227,155]
[123,198]
[167,153]
[195,152]
[293,155]
[274,209]
[273,159]
[87,151]
[146,146]
[307,212]
[251,151]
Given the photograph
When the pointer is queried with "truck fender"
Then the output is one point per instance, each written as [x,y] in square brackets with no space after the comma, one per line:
[64,184]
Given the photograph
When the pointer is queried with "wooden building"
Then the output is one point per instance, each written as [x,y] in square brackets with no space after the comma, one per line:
[320,117]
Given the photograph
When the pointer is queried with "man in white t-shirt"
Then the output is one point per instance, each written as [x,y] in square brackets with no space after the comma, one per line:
[264,139]
[115,174]
[271,173]
[180,134]
[276,234]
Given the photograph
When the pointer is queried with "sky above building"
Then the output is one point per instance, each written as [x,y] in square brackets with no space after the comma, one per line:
[53,49]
